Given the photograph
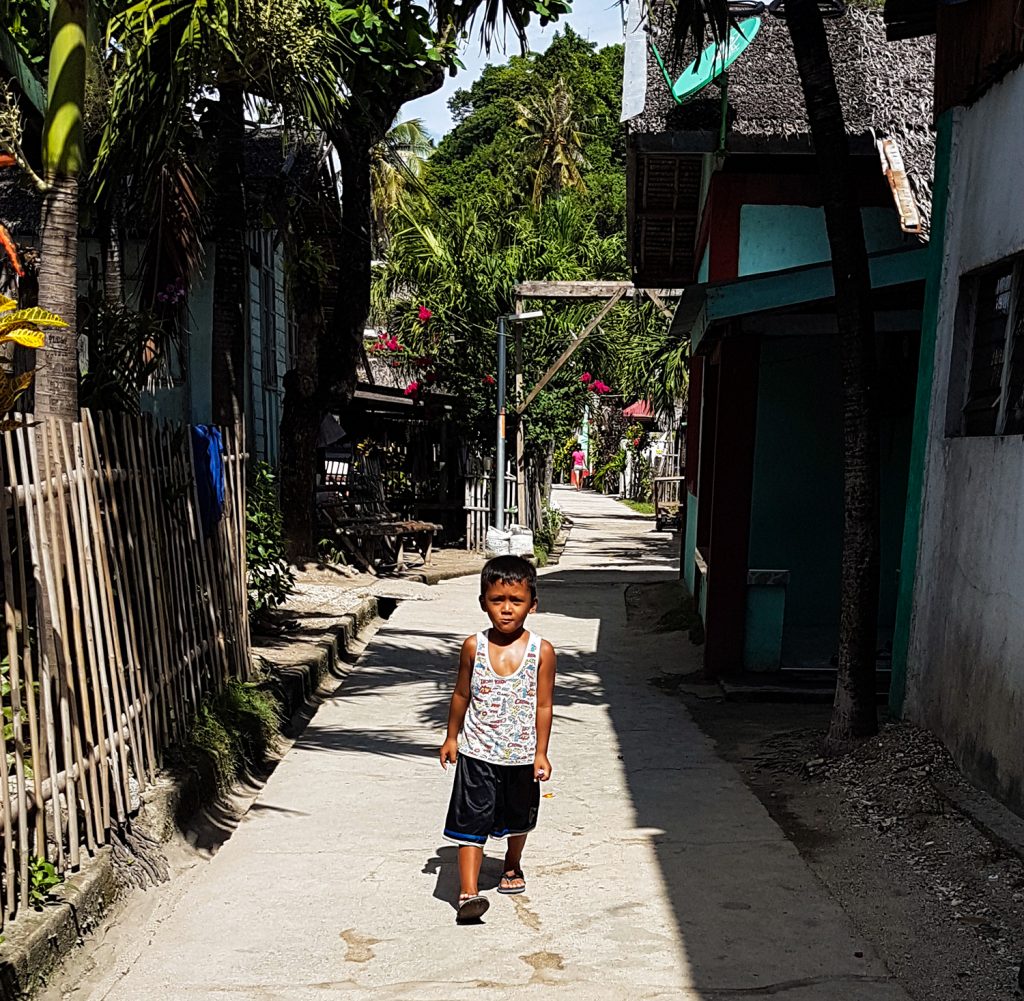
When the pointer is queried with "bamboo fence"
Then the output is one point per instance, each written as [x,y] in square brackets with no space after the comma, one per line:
[119,617]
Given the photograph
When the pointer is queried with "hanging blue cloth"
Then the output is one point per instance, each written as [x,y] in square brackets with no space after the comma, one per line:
[207,457]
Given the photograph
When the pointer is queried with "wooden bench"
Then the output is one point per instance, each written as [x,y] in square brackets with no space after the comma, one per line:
[367,539]
[369,532]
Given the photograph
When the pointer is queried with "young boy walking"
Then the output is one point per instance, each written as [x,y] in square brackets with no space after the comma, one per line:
[499,724]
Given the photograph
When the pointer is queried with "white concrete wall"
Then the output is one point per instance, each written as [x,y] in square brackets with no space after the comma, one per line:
[966,658]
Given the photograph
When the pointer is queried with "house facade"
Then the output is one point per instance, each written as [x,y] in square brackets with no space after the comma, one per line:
[959,658]
[724,200]
[182,388]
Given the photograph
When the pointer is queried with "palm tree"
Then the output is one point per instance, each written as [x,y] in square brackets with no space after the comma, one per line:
[396,165]
[56,384]
[854,715]
[553,141]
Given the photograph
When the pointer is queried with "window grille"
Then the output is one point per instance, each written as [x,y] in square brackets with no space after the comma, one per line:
[987,374]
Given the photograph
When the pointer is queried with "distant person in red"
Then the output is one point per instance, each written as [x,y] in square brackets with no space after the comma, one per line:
[579,466]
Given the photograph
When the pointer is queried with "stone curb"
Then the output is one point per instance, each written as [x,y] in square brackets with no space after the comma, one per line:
[38,942]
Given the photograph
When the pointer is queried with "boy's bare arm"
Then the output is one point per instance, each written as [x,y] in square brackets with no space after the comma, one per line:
[460,702]
[545,710]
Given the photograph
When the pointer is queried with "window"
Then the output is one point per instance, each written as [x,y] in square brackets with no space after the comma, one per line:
[987,375]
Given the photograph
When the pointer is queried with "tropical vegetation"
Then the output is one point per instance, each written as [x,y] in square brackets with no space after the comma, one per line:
[517,191]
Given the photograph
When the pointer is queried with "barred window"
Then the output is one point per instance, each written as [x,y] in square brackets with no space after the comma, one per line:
[987,376]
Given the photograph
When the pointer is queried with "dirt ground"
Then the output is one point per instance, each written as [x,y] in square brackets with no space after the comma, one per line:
[940,900]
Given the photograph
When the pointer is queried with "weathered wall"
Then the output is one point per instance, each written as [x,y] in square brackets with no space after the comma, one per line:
[965,673]
[774,237]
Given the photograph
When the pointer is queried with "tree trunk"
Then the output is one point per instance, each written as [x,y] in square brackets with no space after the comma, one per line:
[113,266]
[344,340]
[854,714]
[230,277]
[300,421]
[56,381]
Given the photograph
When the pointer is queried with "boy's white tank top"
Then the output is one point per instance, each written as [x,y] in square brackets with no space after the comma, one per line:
[501,721]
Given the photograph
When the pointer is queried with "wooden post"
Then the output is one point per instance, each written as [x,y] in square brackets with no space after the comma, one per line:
[523,514]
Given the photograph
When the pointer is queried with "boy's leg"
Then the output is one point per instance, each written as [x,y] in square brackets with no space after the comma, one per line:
[513,862]
[470,860]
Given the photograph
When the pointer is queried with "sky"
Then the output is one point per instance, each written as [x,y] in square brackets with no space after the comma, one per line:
[599,21]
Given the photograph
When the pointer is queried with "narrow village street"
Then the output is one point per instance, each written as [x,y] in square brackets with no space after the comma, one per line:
[655,873]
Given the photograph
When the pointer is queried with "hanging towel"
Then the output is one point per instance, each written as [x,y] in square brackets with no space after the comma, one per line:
[207,457]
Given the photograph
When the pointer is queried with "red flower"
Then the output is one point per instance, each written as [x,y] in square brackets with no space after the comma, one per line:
[488,380]
[600,387]
[424,314]
[586,377]
[393,344]
[412,389]
[636,443]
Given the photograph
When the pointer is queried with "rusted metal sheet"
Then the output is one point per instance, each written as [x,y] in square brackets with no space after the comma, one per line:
[902,192]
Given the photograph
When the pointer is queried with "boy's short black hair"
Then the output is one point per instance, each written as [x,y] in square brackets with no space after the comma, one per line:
[508,570]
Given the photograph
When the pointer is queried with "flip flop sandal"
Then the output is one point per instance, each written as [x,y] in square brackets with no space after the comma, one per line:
[471,908]
[513,874]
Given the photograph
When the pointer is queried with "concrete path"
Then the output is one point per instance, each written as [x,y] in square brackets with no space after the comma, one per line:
[654,874]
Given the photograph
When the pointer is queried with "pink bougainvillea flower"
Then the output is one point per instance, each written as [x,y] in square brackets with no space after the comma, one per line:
[600,387]
[488,380]
[586,377]
[412,389]
[424,314]
[393,344]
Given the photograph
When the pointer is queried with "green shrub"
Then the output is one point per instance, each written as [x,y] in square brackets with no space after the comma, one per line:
[270,578]
[235,728]
[43,877]
[547,532]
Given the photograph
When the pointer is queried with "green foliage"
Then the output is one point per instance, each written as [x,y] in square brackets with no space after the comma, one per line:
[43,877]
[476,229]
[126,348]
[234,728]
[491,156]
[641,507]
[270,578]
[547,531]
[607,474]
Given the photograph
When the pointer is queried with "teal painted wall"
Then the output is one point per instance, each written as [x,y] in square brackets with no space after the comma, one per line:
[702,271]
[926,370]
[775,237]
[796,516]
[690,549]
[762,643]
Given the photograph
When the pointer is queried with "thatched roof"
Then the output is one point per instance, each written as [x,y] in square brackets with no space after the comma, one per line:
[885,88]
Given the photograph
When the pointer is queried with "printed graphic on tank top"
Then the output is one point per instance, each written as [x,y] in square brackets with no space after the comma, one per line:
[501,721]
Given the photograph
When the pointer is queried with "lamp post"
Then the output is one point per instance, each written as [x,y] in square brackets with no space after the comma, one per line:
[499,472]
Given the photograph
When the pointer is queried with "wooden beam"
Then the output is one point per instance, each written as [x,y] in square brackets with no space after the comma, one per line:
[659,302]
[571,349]
[593,291]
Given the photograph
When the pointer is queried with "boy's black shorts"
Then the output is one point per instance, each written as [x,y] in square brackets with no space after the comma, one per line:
[491,801]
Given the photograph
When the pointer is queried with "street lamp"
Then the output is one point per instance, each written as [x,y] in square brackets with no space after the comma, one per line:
[499,473]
